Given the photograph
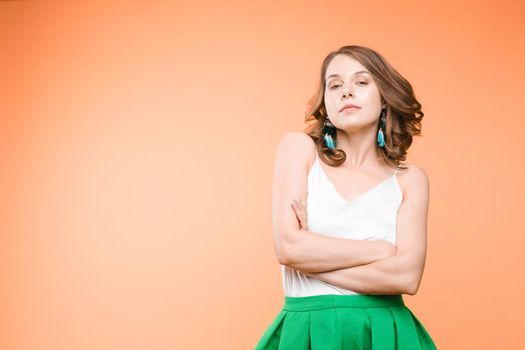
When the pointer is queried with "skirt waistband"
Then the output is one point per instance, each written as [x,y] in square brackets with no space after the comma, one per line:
[326,301]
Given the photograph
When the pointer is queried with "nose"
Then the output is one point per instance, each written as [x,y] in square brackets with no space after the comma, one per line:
[346,93]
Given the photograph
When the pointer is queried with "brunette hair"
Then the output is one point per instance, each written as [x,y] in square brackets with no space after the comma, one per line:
[403,112]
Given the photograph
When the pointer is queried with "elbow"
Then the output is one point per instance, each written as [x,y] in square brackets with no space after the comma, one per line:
[411,284]
[283,253]
[285,245]
[410,290]
[282,258]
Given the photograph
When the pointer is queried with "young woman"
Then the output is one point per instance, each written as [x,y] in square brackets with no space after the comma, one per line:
[349,220]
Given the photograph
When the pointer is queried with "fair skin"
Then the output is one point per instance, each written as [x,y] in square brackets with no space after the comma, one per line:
[373,269]
[299,248]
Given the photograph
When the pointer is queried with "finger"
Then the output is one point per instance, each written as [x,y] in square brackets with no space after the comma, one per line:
[303,222]
[297,212]
[299,216]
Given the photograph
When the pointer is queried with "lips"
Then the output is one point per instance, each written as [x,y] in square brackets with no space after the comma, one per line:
[349,105]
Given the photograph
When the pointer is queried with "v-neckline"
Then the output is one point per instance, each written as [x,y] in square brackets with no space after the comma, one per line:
[355,198]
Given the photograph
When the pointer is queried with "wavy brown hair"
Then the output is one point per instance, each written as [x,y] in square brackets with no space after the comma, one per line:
[403,112]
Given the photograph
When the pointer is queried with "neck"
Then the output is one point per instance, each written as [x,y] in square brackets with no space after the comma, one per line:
[360,147]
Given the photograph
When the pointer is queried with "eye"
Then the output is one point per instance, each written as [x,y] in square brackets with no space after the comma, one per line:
[362,82]
[334,86]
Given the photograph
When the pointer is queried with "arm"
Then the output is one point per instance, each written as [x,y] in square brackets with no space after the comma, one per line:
[401,273]
[301,249]
[314,252]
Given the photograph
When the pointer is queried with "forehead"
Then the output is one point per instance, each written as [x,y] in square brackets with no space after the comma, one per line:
[344,65]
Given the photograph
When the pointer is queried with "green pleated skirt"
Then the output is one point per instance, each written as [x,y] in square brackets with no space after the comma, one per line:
[345,322]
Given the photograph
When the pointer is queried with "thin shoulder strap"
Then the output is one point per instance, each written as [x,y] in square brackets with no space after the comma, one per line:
[397,168]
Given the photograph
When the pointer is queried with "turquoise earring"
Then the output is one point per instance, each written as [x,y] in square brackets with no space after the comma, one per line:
[329,131]
[380,134]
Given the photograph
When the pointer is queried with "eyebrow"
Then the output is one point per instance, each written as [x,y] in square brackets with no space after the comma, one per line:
[356,73]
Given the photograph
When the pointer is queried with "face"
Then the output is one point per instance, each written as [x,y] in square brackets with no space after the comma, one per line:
[347,84]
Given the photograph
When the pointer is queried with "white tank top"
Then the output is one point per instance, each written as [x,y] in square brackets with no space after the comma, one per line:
[371,215]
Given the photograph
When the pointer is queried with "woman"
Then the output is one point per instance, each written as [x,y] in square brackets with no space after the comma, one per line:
[349,220]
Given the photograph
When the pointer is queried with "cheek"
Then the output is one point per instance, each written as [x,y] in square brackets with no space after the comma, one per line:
[374,96]
[329,102]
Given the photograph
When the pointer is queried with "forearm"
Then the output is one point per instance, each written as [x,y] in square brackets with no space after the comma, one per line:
[390,275]
[314,252]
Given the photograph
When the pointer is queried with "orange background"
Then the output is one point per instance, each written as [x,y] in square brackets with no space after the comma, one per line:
[137,145]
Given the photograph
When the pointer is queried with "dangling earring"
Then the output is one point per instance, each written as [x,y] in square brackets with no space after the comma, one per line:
[380,134]
[329,131]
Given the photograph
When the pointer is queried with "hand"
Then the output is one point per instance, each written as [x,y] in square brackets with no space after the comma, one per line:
[300,212]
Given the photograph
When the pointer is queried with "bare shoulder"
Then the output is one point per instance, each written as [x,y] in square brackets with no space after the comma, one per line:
[298,138]
[414,180]
[414,172]
[298,144]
